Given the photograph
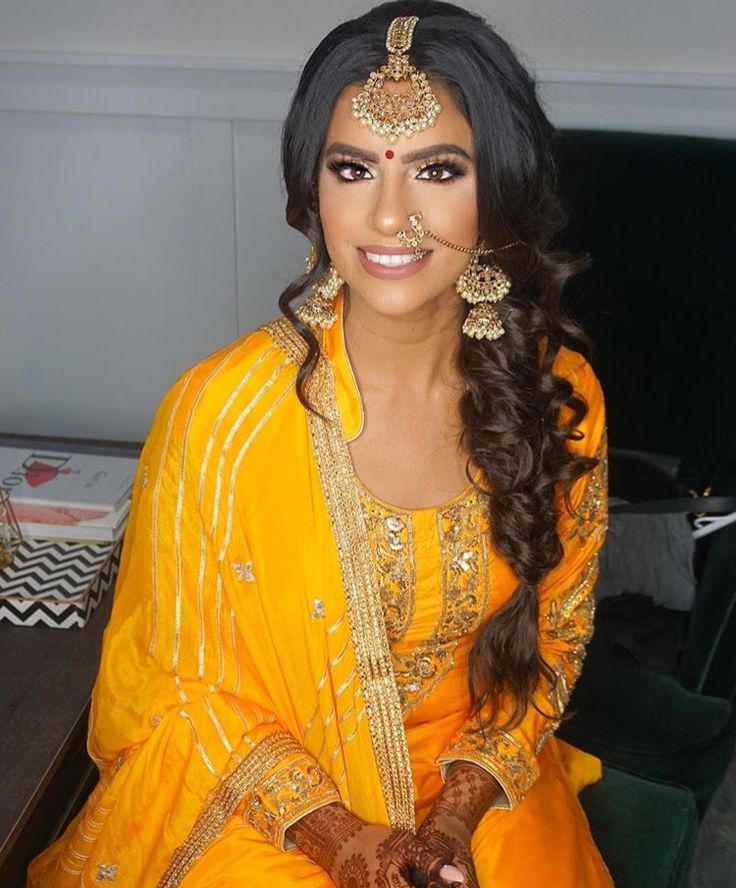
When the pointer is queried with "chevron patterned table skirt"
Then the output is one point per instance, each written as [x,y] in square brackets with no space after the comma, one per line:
[56,583]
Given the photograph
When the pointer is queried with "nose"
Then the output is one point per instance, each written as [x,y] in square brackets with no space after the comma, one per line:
[389,212]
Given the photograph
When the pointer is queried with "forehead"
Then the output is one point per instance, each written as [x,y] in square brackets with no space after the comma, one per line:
[450,126]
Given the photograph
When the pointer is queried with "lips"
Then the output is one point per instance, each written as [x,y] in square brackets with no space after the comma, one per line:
[391,272]
[387,251]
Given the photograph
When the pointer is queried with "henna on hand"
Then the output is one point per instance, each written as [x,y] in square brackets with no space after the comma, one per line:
[468,793]
[322,833]
[364,855]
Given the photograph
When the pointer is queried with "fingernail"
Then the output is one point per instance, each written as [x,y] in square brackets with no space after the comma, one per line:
[451,873]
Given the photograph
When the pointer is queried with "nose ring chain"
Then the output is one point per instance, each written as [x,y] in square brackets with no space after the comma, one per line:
[420,232]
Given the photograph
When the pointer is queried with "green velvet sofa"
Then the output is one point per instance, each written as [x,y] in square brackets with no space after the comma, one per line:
[654,211]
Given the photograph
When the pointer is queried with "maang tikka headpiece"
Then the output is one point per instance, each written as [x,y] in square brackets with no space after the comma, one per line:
[395,113]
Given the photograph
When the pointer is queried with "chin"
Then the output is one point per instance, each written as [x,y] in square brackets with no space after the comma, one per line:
[398,303]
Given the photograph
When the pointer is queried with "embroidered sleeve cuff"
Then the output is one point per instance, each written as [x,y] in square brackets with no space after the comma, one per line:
[290,785]
[503,756]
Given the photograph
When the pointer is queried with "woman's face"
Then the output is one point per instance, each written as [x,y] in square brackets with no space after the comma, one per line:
[366,196]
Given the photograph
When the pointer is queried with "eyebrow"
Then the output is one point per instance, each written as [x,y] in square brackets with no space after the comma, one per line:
[411,157]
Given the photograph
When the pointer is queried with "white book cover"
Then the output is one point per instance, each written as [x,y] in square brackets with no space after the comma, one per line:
[50,477]
[57,523]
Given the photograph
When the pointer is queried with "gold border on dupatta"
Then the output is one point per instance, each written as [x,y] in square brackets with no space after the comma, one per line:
[367,626]
[222,803]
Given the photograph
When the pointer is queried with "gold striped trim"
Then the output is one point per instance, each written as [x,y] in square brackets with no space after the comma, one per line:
[228,356]
[345,685]
[236,658]
[219,728]
[154,520]
[214,520]
[180,690]
[338,659]
[365,615]
[222,414]
[222,804]
[352,734]
[282,331]
[205,758]
[236,466]
[247,410]
[218,631]
[336,625]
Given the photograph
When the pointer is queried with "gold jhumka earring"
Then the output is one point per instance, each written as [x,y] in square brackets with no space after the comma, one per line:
[481,285]
[318,309]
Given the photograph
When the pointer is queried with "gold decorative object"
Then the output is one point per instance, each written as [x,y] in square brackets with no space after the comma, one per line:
[311,261]
[482,285]
[416,239]
[394,113]
[483,322]
[318,308]
[10,535]
[479,284]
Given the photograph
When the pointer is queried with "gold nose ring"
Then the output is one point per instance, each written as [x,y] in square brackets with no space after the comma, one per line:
[413,241]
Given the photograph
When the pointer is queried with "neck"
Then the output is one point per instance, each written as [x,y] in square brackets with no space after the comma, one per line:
[417,353]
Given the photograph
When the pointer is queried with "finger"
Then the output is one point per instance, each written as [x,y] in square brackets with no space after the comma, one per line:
[439,865]
[450,873]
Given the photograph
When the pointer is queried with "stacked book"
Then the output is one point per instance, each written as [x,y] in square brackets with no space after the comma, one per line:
[72,509]
[62,495]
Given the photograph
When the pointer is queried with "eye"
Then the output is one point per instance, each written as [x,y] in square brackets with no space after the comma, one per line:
[441,171]
[349,170]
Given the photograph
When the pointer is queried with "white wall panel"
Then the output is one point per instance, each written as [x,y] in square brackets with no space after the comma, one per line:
[642,35]
[99,288]
[270,254]
[142,215]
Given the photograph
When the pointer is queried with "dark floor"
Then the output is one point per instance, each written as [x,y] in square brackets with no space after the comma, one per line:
[715,857]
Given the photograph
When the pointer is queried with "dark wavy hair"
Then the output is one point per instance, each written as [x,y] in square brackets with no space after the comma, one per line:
[511,411]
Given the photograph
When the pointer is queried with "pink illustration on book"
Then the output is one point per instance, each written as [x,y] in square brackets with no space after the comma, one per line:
[68,480]
[38,473]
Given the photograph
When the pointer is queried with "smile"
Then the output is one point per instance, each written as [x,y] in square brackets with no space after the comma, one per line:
[392,261]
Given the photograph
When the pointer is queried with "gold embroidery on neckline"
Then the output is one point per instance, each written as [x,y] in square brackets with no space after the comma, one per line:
[462,528]
[390,535]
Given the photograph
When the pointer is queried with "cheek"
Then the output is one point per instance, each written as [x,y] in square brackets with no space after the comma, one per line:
[338,211]
[453,211]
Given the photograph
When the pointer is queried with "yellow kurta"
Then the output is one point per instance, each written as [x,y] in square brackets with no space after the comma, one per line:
[281,639]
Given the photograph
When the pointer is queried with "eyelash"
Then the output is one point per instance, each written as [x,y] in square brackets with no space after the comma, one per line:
[336,166]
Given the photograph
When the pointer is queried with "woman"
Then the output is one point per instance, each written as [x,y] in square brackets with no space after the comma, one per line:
[357,582]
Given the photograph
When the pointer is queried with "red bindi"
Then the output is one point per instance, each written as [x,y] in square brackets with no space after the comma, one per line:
[389,154]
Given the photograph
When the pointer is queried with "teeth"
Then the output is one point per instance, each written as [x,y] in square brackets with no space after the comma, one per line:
[384,259]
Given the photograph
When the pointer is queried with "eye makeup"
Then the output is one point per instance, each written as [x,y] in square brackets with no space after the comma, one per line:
[447,168]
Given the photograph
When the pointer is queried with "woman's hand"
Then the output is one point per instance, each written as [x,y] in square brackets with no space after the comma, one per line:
[468,793]
[367,855]
[448,837]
